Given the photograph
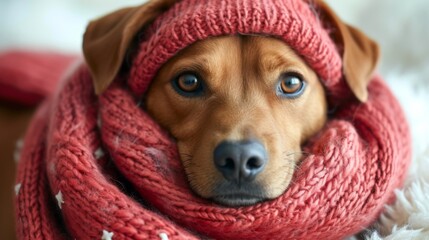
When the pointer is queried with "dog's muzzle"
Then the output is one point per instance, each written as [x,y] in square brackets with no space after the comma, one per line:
[239,163]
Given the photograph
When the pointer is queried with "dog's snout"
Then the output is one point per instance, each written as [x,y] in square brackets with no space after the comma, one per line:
[240,161]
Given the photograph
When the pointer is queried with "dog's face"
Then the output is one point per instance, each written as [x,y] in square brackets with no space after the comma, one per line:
[239,108]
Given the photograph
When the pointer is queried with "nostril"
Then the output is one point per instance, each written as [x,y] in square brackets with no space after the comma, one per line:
[254,163]
[227,163]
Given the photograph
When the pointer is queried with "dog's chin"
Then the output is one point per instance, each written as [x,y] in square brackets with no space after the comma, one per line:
[237,200]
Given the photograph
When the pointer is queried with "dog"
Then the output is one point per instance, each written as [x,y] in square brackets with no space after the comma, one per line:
[240,107]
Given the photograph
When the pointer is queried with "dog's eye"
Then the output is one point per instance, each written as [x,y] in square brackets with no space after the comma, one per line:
[290,85]
[188,84]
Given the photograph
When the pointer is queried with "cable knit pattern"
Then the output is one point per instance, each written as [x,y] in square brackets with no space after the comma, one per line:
[191,20]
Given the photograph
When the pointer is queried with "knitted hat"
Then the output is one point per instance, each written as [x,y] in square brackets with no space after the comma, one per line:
[188,21]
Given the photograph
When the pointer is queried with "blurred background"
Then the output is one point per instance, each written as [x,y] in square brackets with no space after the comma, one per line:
[400,27]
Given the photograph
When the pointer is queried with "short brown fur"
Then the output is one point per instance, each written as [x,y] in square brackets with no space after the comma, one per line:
[241,73]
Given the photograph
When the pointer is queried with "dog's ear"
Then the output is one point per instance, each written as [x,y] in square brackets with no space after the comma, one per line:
[107,39]
[360,54]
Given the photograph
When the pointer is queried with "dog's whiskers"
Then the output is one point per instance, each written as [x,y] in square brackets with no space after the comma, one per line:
[186,155]
[287,154]
[186,159]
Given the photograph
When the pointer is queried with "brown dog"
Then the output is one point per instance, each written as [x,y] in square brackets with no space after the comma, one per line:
[239,107]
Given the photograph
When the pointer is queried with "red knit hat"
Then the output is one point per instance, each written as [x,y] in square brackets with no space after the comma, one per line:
[191,20]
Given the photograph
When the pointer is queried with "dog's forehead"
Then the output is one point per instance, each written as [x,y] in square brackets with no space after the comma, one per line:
[239,53]
[273,55]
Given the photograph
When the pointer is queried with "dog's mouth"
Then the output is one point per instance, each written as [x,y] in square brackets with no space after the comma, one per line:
[231,194]
[238,200]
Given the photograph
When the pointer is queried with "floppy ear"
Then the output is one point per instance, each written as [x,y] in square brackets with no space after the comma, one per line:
[107,39]
[360,54]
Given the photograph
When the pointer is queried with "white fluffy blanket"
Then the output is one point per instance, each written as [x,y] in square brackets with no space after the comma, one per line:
[400,27]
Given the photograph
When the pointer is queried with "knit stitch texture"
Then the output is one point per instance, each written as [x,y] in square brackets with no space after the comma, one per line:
[99,166]
[138,190]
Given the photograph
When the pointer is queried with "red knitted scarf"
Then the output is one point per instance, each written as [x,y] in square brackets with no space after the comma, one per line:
[101,168]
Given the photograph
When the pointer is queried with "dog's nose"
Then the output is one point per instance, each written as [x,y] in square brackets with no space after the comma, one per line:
[240,161]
